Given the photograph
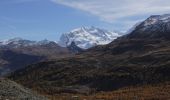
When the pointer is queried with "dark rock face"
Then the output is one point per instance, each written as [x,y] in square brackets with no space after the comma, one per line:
[74,48]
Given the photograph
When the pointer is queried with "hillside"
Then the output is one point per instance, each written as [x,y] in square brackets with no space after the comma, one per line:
[128,61]
[18,53]
[103,69]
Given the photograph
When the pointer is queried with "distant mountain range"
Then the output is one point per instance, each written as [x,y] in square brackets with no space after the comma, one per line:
[84,38]
[19,42]
[139,58]
[17,53]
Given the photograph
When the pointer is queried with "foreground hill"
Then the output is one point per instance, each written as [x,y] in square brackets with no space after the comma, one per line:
[129,60]
[10,90]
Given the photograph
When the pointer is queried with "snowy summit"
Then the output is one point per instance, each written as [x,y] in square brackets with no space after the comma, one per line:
[86,37]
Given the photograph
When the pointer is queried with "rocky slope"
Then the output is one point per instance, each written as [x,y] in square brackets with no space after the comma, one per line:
[10,90]
[129,60]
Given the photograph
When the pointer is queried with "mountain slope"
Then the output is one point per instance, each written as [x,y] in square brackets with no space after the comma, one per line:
[126,63]
[11,61]
[129,60]
[74,48]
[17,53]
[87,37]
[156,26]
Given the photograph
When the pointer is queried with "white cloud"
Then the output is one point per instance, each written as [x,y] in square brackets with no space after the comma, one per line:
[119,10]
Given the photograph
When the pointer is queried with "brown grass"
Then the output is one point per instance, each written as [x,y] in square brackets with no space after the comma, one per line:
[148,92]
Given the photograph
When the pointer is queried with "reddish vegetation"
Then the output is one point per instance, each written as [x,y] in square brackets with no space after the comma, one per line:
[147,92]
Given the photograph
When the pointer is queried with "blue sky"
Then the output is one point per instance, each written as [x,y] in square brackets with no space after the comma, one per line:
[48,19]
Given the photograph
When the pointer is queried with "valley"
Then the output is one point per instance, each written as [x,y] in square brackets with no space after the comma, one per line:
[134,66]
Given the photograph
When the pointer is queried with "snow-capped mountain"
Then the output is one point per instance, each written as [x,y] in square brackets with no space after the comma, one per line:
[18,42]
[156,19]
[86,37]
[156,26]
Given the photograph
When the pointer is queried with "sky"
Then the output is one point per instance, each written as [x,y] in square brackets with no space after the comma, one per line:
[48,19]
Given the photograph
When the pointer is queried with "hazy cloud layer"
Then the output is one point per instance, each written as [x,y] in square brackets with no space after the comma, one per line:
[119,10]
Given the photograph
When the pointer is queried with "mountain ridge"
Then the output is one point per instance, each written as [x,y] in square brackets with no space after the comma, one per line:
[17,53]
[156,26]
[18,42]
